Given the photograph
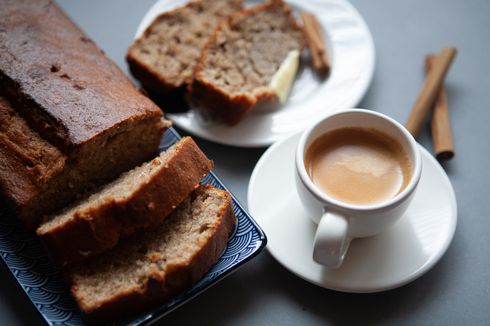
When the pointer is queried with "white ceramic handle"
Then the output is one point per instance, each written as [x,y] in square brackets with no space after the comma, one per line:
[331,240]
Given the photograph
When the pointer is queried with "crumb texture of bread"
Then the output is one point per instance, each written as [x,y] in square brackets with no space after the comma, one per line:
[153,266]
[77,105]
[241,58]
[138,199]
[165,56]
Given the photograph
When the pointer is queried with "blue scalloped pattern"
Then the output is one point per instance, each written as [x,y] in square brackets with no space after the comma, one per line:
[24,256]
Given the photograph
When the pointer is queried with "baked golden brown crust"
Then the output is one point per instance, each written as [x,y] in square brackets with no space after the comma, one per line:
[221,105]
[159,287]
[215,99]
[86,123]
[100,227]
[59,80]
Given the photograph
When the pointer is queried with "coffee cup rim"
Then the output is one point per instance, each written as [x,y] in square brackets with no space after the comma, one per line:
[332,202]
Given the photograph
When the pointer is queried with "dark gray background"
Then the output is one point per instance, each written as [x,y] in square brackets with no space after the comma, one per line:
[457,290]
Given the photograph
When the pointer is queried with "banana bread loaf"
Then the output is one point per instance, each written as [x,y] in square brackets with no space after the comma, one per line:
[138,199]
[153,266]
[241,58]
[82,121]
[165,56]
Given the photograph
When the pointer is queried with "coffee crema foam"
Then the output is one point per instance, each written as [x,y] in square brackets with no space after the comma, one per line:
[358,165]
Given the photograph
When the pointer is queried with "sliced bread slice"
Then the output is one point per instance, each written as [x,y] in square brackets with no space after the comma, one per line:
[241,58]
[138,199]
[155,265]
[165,56]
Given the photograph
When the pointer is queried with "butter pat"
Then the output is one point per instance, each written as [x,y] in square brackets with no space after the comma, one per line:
[284,77]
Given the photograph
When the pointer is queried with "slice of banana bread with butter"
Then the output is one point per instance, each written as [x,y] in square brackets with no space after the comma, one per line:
[250,58]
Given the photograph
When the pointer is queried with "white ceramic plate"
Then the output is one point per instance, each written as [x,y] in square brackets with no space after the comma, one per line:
[351,51]
[386,261]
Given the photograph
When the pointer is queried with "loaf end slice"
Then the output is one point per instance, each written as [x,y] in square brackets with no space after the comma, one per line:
[165,56]
[153,266]
[140,198]
[241,58]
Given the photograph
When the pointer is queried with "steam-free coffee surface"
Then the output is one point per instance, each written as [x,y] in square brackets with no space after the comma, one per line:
[358,165]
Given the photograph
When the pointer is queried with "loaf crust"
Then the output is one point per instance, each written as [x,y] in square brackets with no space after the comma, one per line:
[176,37]
[157,286]
[98,227]
[64,85]
[215,99]
[74,101]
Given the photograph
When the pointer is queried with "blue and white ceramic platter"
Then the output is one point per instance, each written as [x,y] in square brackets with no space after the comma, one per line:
[23,255]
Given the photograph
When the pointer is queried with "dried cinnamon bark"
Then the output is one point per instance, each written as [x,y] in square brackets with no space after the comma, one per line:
[430,90]
[314,38]
[442,140]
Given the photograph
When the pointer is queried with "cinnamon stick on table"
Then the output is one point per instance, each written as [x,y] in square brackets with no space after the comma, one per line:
[430,90]
[314,39]
[440,125]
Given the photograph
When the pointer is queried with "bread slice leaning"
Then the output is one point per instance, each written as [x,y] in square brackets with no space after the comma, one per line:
[153,266]
[165,56]
[241,58]
[138,199]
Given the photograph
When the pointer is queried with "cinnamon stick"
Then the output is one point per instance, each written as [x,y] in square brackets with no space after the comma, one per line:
[314,39]
[442,139]
[319,36]
[430,90]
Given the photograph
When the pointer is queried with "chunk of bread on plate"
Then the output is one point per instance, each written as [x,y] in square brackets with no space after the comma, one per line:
[250,58]
[165,56]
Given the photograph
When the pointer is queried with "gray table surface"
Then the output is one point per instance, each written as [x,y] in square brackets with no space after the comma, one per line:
[457,290]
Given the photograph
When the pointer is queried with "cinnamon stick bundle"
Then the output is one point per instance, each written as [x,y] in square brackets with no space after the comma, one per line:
[442,139]
[430,90]
[314,39]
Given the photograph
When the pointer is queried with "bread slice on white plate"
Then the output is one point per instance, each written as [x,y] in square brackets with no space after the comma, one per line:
[252,57]
[165,56]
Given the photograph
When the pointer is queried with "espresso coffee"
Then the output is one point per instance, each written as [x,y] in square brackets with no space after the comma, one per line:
[358,165]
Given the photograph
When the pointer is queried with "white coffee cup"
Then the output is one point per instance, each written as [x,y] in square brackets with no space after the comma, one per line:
[340,222]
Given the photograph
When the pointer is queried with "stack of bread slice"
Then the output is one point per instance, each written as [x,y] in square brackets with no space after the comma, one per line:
[250,56]
[138,199]
[153,266]
[77,162]
[174,231]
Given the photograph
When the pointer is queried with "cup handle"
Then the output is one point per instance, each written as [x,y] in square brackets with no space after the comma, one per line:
[331,240]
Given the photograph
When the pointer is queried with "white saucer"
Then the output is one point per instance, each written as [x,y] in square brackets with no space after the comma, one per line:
[352,54]
[386,261]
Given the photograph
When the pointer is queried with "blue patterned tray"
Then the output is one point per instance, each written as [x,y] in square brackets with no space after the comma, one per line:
[23,255]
